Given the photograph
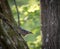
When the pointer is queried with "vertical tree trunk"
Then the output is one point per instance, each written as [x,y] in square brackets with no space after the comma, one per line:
[50,16]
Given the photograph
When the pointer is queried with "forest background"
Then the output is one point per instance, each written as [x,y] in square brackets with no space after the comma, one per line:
[29,11]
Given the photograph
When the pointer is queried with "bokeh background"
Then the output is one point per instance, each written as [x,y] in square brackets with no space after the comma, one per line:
[30,20]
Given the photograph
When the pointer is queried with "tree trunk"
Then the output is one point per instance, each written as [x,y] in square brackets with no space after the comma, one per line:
[10,37]
[50,16]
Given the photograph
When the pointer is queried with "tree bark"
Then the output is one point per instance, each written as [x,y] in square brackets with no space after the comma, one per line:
[10,37]
[50,19]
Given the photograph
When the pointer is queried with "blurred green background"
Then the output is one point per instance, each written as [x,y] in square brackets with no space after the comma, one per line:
[29,11]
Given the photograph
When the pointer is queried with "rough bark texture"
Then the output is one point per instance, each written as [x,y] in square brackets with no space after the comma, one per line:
[9,33]
[50,16]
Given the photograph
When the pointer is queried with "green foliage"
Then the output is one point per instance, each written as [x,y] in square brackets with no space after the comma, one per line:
[30,38]
[30,20]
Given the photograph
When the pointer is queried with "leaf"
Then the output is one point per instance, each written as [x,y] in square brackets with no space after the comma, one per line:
[30,37]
